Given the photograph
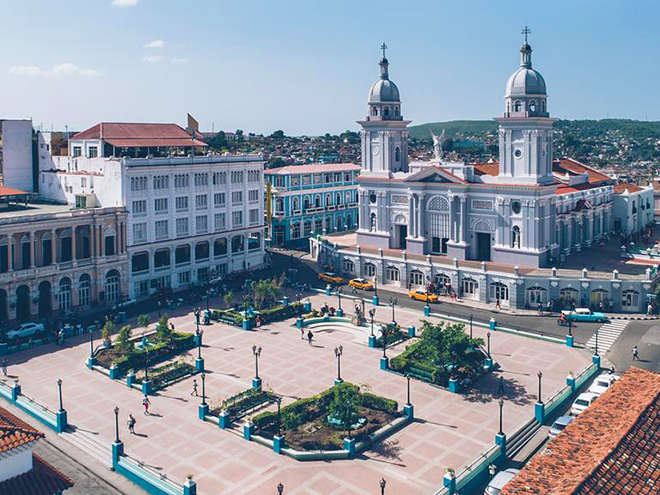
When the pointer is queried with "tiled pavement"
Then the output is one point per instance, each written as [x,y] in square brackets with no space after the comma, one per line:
[451,430]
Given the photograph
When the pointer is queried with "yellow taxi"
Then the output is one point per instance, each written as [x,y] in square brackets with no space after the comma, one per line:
[423,295]
[331,278]
[360,283]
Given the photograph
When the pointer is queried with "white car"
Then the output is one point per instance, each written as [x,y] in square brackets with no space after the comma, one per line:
[583,401]
[25,330]
[602,383]
[500,480]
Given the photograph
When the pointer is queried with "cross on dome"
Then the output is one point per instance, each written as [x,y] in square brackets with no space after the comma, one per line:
[526,31]
[383,47]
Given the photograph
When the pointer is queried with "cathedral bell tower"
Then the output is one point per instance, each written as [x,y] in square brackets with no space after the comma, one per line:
[525,133]
[384,134]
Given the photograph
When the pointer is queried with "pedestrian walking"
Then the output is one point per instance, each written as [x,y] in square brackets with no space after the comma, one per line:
[258,321]
[540,308]
[310,336]
[194,392]
[649,309]
[302,333]
[500,387]
[145,403]
[497,304]
[635,353]
[131,424]
[4,366]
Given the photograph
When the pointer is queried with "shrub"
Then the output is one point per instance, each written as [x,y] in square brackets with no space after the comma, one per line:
[143,320]
[372,401]
[124,342]
[108,329]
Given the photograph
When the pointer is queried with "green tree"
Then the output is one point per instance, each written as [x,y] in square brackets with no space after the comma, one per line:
[279,134]
[276,162]
[449,347]
[344,405]
[265,293]
[124,342]
[163,330]
[228,298]
[143,320]
[107,331]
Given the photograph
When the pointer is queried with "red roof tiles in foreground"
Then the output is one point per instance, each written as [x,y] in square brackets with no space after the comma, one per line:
[139,135]
[15,433]
[42,479]
[611,448]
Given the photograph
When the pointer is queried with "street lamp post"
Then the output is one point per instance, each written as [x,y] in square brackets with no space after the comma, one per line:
[203,377]
[257,352]
[383,331]
[339,289]
[338,352]
[372,313]
[199,345]
[501,432]
[596,342]
[91,343]
[208,295]
[382,486]
[540,375]
[59,386]
[159,306]
[570,327]
[278,399]
[116,424]
[471,326]
[488,345]
[146,366]
[408,389]
[393,303]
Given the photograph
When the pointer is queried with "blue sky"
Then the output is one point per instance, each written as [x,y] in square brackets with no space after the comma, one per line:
[306,66]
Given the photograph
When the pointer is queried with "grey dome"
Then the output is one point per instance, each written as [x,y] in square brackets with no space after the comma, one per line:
[384,90]
[525,81]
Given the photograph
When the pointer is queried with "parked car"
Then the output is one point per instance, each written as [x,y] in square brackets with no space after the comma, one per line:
[583,401]
[331,278]
[583,314]
[500,480]
[360,283]
[559,424]
[26,330]
[423,295]
[602,383]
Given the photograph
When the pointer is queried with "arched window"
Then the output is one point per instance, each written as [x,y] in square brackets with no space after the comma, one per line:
[515,237]
[349,222]
[279,205]
[112,287]
[397,154]
[629,299]
[328,225]
[64,294]
[516,106]
[338,199]
[295,203]
[237,244]
[536,296]
[328,199]
[396,111]
[393,274]
[369,270]
[470,288]
[568,297]
[84,289]
[306,203]
[442,280]
[532,106]
[499,292]
[348,266]
[374,111]
[317,201]
[542,106]
[416,278]
[386,112]
[348,197]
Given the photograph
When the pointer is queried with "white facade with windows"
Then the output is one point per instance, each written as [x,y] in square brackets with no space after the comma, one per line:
[187,217]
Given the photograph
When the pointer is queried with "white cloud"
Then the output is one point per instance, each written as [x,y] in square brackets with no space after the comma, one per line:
[178,61]
[66,69]
[155,44]
[125,3]
[154,59]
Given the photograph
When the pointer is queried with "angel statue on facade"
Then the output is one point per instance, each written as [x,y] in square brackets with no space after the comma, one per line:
[438,141]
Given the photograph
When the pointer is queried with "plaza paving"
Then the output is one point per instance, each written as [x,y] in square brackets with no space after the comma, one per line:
[450,431]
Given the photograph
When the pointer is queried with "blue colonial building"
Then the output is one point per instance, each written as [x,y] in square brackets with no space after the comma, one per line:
[311,199]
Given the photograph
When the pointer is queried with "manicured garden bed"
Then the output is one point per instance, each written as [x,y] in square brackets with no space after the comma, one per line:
[241,404]
[393,338]
[278,313]
[305,422]
[162,376]
[442,352]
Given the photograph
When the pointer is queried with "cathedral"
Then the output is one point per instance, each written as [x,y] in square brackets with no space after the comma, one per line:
[502,231]
[510,212]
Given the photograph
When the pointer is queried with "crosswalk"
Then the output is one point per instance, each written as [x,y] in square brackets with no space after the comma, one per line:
[607,335]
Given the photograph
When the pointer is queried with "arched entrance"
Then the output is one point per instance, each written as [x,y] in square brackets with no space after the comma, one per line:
[45,299]
[23,303]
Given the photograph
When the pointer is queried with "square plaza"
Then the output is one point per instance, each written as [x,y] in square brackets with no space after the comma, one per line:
[450,430]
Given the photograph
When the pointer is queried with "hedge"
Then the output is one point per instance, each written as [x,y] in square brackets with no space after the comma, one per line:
[157,352]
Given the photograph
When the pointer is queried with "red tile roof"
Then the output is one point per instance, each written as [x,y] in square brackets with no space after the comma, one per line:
[492,169]
[139,135]
[10,191]
[611,448]
[575,167]
[15,433]
[42,479]
[627,186]
[313,169]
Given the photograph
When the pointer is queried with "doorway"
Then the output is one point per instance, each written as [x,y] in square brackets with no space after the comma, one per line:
[401,232]
[483,246]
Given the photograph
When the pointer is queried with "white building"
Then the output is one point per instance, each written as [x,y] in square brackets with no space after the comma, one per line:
[633,208]
[188,216]
[16,163]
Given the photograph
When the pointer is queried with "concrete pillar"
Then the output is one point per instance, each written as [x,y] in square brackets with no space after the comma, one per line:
[73,243]
[463,219]
[32,239]
[411,215]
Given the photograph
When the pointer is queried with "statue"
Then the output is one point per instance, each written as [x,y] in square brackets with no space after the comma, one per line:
[438,141]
